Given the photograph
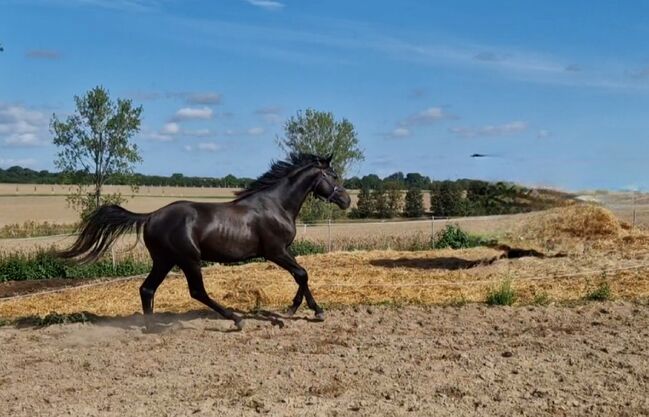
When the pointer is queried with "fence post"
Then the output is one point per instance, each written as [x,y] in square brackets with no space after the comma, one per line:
[432,222]
[329,232]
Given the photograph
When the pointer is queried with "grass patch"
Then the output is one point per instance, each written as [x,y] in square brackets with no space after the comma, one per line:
[306,247]
[455,238]
[541,299]
[504,295]
[45,265]
[34,229]
[601,293]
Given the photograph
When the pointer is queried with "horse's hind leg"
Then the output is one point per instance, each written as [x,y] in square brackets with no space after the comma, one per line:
[148,288]
[197,291]
[288,262]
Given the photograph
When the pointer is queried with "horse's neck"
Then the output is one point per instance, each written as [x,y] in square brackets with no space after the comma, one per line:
[292,194]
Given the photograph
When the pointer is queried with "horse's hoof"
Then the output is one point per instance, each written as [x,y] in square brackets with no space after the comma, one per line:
[320,316]
[238,324]
[290,312]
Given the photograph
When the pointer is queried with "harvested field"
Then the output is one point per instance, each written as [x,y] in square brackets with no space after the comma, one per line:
[363,361]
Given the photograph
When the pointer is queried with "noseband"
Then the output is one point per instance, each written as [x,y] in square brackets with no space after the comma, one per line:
[333,193]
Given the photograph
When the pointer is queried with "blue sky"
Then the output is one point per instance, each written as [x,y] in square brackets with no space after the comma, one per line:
[556,93]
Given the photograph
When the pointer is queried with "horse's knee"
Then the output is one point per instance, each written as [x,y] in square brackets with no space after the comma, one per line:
[146,292]
[301,276]
[197,294]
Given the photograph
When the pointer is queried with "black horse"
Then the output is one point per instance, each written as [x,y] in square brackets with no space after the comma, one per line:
[260,222]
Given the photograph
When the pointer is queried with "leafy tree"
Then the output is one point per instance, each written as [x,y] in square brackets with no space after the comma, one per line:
[371,181]
[394,199]
[414,203]
[94,146]
[380,203]
[446,199]
[320,133]
[353,183]
[396,177]
[364,207]
[416,180]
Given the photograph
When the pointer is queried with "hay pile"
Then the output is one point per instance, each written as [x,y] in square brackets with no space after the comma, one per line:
[574,228]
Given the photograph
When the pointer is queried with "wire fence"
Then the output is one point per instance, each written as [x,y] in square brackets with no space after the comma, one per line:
[398,234]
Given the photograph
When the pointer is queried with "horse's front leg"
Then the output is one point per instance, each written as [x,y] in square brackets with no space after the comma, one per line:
[288,262]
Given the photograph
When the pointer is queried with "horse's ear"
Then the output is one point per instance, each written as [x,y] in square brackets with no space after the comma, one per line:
[329,158]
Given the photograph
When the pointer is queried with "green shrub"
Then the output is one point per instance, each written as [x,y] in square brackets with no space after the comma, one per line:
[45,265]
[542,299]
[455,238]
[504,295]
[306,247]
[601,293]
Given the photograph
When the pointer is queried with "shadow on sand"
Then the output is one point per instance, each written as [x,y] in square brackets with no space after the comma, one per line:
[157,323]
[446,263]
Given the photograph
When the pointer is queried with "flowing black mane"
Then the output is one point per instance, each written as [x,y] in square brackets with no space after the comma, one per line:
[277,171]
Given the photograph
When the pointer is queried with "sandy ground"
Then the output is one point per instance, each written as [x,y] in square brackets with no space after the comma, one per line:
[365,360]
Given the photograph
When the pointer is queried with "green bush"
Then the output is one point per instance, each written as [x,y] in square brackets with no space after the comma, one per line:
[504,295]
[306,247]
[601,293]
[455,238]
[45,265]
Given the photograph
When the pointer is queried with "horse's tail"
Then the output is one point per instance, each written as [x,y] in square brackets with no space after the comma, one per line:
[100,230]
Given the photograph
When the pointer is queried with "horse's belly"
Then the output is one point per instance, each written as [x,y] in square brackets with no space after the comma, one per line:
[228,245]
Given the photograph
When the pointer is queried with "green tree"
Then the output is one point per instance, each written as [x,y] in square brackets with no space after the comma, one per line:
[364,207]
[414,203]
[95,147]
[446,199]
[380,203]
[394,199]
[320,133]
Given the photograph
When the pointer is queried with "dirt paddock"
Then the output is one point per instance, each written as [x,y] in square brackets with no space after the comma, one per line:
[365,360]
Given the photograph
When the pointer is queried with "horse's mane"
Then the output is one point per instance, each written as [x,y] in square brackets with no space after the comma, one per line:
[277,171]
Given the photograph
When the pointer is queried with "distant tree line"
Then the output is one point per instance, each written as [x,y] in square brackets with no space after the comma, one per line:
[396,195]
[464,197]
[19,175]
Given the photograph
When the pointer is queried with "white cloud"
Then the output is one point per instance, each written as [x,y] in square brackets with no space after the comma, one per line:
[490,130]
[543,133]
[267,4]
[255,131]
[20,126]
[170,128]
[194,113]
[208,146]
[160,137]
[400,132]
[427,116]
[9,162]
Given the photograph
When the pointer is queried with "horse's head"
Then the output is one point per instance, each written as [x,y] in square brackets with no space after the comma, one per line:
[327,187]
